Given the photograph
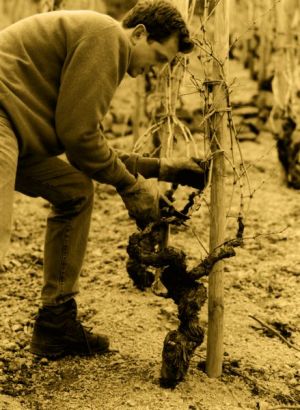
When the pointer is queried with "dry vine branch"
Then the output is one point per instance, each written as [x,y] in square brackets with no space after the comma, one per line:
[275,332]
[254,23]
[233,136]
[284,408]
[243,171]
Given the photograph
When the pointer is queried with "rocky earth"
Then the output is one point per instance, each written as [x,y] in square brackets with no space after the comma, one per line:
[261,367]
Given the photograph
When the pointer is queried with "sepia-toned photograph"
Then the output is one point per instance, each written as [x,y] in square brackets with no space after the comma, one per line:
[150,204]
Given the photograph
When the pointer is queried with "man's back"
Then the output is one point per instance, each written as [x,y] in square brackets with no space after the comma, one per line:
[38,57]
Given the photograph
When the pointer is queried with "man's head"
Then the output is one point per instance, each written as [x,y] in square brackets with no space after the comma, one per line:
[157,33]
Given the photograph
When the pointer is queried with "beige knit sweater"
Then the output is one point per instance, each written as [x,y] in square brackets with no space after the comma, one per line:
[58,74]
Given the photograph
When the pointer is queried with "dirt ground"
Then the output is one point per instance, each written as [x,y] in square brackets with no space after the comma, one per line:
[261,371]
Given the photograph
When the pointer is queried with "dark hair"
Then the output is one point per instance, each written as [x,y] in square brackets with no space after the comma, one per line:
[161,20]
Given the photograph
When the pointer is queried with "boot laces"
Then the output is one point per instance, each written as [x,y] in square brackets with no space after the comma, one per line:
[85,330]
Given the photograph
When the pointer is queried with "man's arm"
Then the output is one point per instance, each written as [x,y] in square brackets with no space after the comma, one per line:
[91,74]
[137,164]
[185,171]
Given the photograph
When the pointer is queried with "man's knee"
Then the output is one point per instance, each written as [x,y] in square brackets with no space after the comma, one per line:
[86,191]
[81,198]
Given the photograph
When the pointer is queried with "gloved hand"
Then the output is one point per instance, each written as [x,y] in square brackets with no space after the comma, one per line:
[184,171]
[142,201]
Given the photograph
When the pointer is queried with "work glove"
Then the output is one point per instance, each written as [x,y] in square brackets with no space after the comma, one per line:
[184,171]
[142,201]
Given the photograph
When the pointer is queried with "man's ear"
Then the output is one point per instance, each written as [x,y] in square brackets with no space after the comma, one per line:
[138,33]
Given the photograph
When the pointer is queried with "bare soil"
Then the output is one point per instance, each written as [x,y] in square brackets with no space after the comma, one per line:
[261,371]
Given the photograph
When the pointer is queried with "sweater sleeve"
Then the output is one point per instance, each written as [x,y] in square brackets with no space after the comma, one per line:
[138,164]
[91,73]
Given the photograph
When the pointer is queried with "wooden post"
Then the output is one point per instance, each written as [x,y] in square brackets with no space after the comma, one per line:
[285,87]
[139,116]
[170,83]
[217,217]
[265,41]
[250,59]
[287,56]
[168,87]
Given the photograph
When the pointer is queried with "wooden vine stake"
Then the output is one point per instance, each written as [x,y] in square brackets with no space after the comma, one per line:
[219,133]
[266,34]
[139,115]
[168,85]
[285,115]
[286,79]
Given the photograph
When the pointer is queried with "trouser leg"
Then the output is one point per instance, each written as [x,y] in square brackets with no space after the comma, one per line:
[8,164]
[71,194]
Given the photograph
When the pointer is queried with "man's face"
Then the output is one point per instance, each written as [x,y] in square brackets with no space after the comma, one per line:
[147,54]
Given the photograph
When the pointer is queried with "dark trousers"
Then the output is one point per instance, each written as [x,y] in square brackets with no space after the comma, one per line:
[71,194]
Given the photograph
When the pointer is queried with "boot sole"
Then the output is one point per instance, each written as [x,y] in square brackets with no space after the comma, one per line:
[57,352]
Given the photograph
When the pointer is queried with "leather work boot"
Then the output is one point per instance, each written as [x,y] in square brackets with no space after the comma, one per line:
[58,333]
